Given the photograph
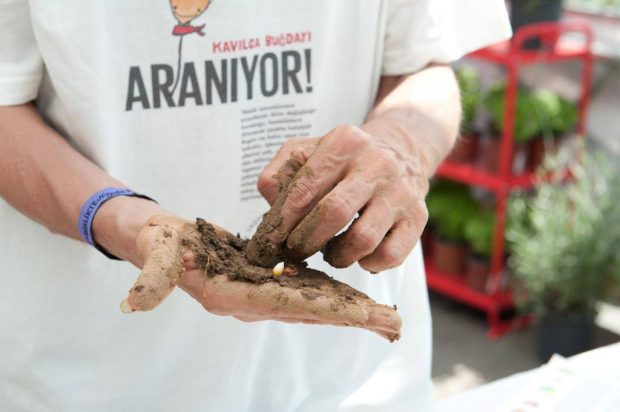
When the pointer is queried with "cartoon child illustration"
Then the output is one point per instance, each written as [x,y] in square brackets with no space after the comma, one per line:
[185,11]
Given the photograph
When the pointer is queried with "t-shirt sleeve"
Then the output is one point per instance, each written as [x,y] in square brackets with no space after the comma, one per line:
[419,32]
[21,66]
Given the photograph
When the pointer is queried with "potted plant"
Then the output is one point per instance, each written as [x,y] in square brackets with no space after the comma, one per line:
[565,250]
[526,127]
[449,206]
[466,147]
[557,117]
[478,233]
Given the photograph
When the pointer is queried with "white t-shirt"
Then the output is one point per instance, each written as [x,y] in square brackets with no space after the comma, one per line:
[105,75]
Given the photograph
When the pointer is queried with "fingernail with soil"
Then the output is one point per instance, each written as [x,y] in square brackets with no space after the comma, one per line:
[385,318]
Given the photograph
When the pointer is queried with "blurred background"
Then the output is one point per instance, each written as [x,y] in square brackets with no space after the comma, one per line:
[522,249]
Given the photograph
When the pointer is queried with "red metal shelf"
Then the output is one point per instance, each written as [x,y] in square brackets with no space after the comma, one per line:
[457,289]
[454,286]
[512,54]
[474,175]
[556,46]
[503,52]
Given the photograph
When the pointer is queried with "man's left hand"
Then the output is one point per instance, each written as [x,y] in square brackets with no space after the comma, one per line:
[350,171]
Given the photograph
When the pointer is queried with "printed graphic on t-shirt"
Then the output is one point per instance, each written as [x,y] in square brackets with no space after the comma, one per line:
[185,11]
[277,68]
[234,71]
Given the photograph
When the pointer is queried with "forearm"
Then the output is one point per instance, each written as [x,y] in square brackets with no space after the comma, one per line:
[43,177]
[420,112]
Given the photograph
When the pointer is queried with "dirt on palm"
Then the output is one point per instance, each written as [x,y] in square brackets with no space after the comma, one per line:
[221,253]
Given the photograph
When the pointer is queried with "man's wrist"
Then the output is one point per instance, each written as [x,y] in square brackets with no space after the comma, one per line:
[397,134]
[118,222]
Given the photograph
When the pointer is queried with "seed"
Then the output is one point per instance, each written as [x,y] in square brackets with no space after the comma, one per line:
[278,269]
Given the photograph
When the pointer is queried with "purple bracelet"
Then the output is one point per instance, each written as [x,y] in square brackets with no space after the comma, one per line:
[89,210]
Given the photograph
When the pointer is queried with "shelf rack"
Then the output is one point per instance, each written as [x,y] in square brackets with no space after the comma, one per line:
[512,55]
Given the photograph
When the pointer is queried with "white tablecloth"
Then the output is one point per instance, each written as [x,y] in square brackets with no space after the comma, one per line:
[493,396]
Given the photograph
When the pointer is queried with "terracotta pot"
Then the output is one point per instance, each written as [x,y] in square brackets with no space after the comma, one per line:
[538,149]
[478,268]
[536,154]
[465,149]
[449,256]
[491,154]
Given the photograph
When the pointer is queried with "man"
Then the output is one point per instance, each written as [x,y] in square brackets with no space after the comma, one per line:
[189,116]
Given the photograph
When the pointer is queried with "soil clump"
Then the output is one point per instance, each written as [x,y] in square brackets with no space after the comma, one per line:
[220,253]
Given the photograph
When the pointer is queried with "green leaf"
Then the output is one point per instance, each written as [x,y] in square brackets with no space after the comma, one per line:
[538,113]
[469,83]
[449,206]
[478,232]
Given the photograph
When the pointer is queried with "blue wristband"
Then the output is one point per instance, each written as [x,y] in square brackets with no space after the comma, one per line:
[89,210]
